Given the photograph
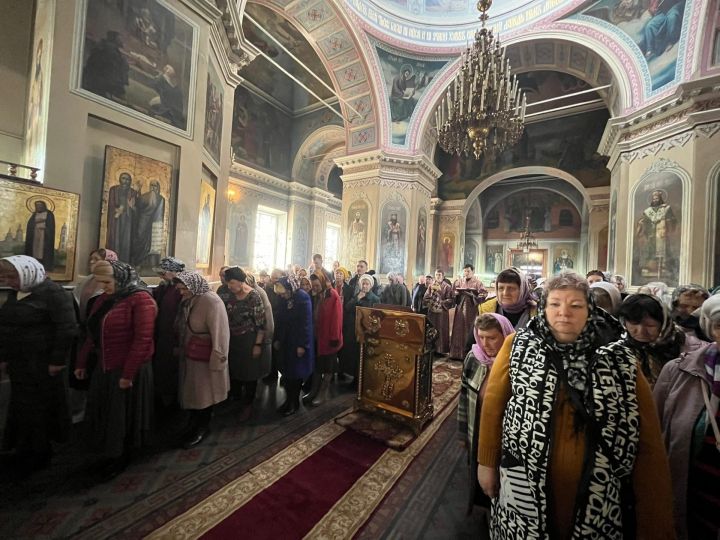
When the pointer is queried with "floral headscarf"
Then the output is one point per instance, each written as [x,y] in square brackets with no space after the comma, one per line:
[30,271]
[291,284]
[125,276]
[170,264]
[195,283]
[110,255]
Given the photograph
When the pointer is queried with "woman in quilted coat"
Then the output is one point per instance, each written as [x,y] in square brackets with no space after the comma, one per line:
[121,329]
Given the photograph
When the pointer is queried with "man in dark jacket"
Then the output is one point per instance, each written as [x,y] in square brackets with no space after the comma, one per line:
[395,293]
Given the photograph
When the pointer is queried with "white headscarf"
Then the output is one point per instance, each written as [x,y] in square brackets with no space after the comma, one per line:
[613,293]
[30,271]
[709,313]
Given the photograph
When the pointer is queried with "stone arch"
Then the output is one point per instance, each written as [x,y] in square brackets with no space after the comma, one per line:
[519,189]
[337,44]
[321,142]
[523,171]
[602,65]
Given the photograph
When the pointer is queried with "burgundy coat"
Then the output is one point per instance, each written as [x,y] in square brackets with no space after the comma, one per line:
[329,324]
[128,332]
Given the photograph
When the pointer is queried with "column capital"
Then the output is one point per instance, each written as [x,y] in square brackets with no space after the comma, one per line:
[382,169]
[662,125]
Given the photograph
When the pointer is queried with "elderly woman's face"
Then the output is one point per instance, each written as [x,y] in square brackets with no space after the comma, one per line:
[508,293]
[567,312]
[183,290]
[645,331]
[106,284]
[491,341]
[365,286]
[9,277]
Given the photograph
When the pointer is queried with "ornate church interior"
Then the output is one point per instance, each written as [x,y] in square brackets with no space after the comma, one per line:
[185,138]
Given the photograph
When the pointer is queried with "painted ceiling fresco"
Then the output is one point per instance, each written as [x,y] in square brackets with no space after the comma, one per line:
[447,23]
[268,78]
[568,143]
[654,27]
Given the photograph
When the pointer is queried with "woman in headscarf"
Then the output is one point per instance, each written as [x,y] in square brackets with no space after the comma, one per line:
[294,338]
[88,287]
[327,323]
[246,314]
[652,334]
[621,285]
[85,294]
[37,327]
[687,395]
[203,336]
[350,359]
[269,320]
[305,284]
[606,296]
[489,331]
[165,362]
[121,330]
[514,298]
[685,305]
[570,443]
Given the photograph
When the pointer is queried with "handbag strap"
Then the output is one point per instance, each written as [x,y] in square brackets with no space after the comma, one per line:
[711,415]
[192,331]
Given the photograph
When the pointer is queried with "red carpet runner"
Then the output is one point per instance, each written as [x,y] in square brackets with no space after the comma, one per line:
[325,485]
[295,503]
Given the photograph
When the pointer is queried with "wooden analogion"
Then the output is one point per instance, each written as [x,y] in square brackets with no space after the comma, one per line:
[396,357]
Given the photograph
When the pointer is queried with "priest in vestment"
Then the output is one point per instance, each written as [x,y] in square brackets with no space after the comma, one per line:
[469,292]
[439,299]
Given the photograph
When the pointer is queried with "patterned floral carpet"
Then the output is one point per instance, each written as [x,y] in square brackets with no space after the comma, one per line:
[426,495]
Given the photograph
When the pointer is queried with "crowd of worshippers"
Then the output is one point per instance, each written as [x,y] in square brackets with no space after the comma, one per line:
[587,411]
[132,354]
[591,412]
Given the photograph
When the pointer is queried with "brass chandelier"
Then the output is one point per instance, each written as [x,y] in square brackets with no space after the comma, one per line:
[483,111]
[527,241]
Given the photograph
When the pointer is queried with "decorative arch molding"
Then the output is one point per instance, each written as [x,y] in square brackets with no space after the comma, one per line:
[523,171]
[712,264]
[326,166]
[329,138]
[518,189]
[328,30]
[626,80]
[664,165]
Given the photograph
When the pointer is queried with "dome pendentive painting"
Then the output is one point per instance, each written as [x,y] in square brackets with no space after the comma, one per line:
[654,26]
